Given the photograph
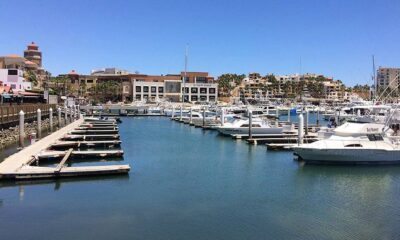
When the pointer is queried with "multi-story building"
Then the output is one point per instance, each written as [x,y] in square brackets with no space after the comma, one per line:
[387,77]
[199,86]
[14,78]
[33,54]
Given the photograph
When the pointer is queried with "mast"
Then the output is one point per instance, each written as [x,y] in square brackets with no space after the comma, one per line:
[184,74]
[374,77]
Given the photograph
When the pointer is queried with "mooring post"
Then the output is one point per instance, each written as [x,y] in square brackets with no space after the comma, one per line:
[204,117]
[288,115]
[267,110]
[191,116]
[71,114]
[250,125]
[300,129]
[51,119]
[173,112]
[318,118]
[222,116]
[39,123]
[180,113]
[59,117]
[66,115]
[306,123]
[21,128]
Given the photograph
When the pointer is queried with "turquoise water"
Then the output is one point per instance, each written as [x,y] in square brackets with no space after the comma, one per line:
[187,183]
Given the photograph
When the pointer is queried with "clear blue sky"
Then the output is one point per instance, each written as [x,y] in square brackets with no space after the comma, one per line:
[335,38]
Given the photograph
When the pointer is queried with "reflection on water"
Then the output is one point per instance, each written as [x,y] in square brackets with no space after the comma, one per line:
[187,183]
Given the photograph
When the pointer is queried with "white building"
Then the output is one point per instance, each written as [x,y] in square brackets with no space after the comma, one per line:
[15,79]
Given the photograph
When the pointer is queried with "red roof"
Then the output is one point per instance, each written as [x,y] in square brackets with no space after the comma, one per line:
[32,44]
[73,73]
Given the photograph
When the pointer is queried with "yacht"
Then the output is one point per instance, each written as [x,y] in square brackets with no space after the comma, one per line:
[354,143]
[241,126]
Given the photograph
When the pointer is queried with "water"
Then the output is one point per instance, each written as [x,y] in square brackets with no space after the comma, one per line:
[187,183]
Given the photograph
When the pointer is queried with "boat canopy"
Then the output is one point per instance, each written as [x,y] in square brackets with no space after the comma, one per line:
[358,129]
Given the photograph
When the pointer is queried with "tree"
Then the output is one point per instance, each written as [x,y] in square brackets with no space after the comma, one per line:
[226,82]
[31,77]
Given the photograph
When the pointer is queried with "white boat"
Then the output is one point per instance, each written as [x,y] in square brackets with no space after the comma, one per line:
[353,143]
[241,126]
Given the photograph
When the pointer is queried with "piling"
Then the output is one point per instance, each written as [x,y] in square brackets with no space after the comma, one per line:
[59,117]
[300,129]
[267,110]
[180,113]
[318,118]
[222,117]
[358,113]
[21,128]
[288,115]
[51,119]
[66,115]
[337,117]
[250,125]
[204,117]
[306,123]
[71,114]
[277,113]
[190,116]
[173,112]
[39,123]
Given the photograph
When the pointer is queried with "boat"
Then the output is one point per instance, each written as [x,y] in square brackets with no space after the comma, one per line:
[354,143]
[241,126]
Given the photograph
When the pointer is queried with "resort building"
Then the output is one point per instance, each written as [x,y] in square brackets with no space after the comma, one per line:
[14,78]
[387,77]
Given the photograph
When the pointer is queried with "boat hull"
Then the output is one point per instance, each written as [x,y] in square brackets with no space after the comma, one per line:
[347,156]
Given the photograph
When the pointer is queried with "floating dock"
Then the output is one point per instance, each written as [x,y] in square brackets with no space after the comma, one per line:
[18,165]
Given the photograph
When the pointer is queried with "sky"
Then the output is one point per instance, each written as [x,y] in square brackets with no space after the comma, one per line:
[334,38]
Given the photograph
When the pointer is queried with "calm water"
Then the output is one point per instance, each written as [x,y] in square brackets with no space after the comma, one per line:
[187,183]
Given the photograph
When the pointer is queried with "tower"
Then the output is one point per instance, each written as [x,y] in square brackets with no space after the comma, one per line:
[33,54]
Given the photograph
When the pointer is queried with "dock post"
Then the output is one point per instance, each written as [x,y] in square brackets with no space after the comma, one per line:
[180,113]
[337,117]
[267,110]
[79,111]
[277,113]
[358,113]
[71,114]
[59,117]
[306,123]
[66,115]
[51,119]
[39,123]
[250,125]
[300,129]
[318,118]
[191,116]
[222,116]
[173,112]
[21,128]
[288,115]
[204,117]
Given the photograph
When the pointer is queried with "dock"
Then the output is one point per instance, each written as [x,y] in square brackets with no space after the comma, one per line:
[18,166]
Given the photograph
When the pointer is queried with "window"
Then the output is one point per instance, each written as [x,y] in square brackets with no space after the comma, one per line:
[193,90]
[203,90]
[160,89]
[193,98]
[212,98]
[201,80]
[153,89]
[203,98]
[138,88]
[145,89]
[12,72]
[186,90]
[89,81]
[211,90]
[138,97]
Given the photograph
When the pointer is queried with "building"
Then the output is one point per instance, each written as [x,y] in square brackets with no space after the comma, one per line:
[387,77]
[199,86]
[141,87]
[33,54]
[14,78]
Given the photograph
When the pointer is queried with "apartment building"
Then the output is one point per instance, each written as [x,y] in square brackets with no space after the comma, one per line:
[387,77]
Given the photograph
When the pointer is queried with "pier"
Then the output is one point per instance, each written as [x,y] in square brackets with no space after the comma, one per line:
[18,165]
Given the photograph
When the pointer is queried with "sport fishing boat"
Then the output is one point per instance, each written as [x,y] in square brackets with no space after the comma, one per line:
[241,126]
[354,143]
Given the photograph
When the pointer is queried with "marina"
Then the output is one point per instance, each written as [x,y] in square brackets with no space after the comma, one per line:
[174,193]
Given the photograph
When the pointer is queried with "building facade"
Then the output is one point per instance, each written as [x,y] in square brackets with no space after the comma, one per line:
[387,77]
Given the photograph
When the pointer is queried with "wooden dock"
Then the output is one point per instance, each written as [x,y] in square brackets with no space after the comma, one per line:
[17,166]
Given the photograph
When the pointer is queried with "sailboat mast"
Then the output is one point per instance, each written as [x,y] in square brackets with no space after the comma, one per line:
[374,77]
[184,74]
